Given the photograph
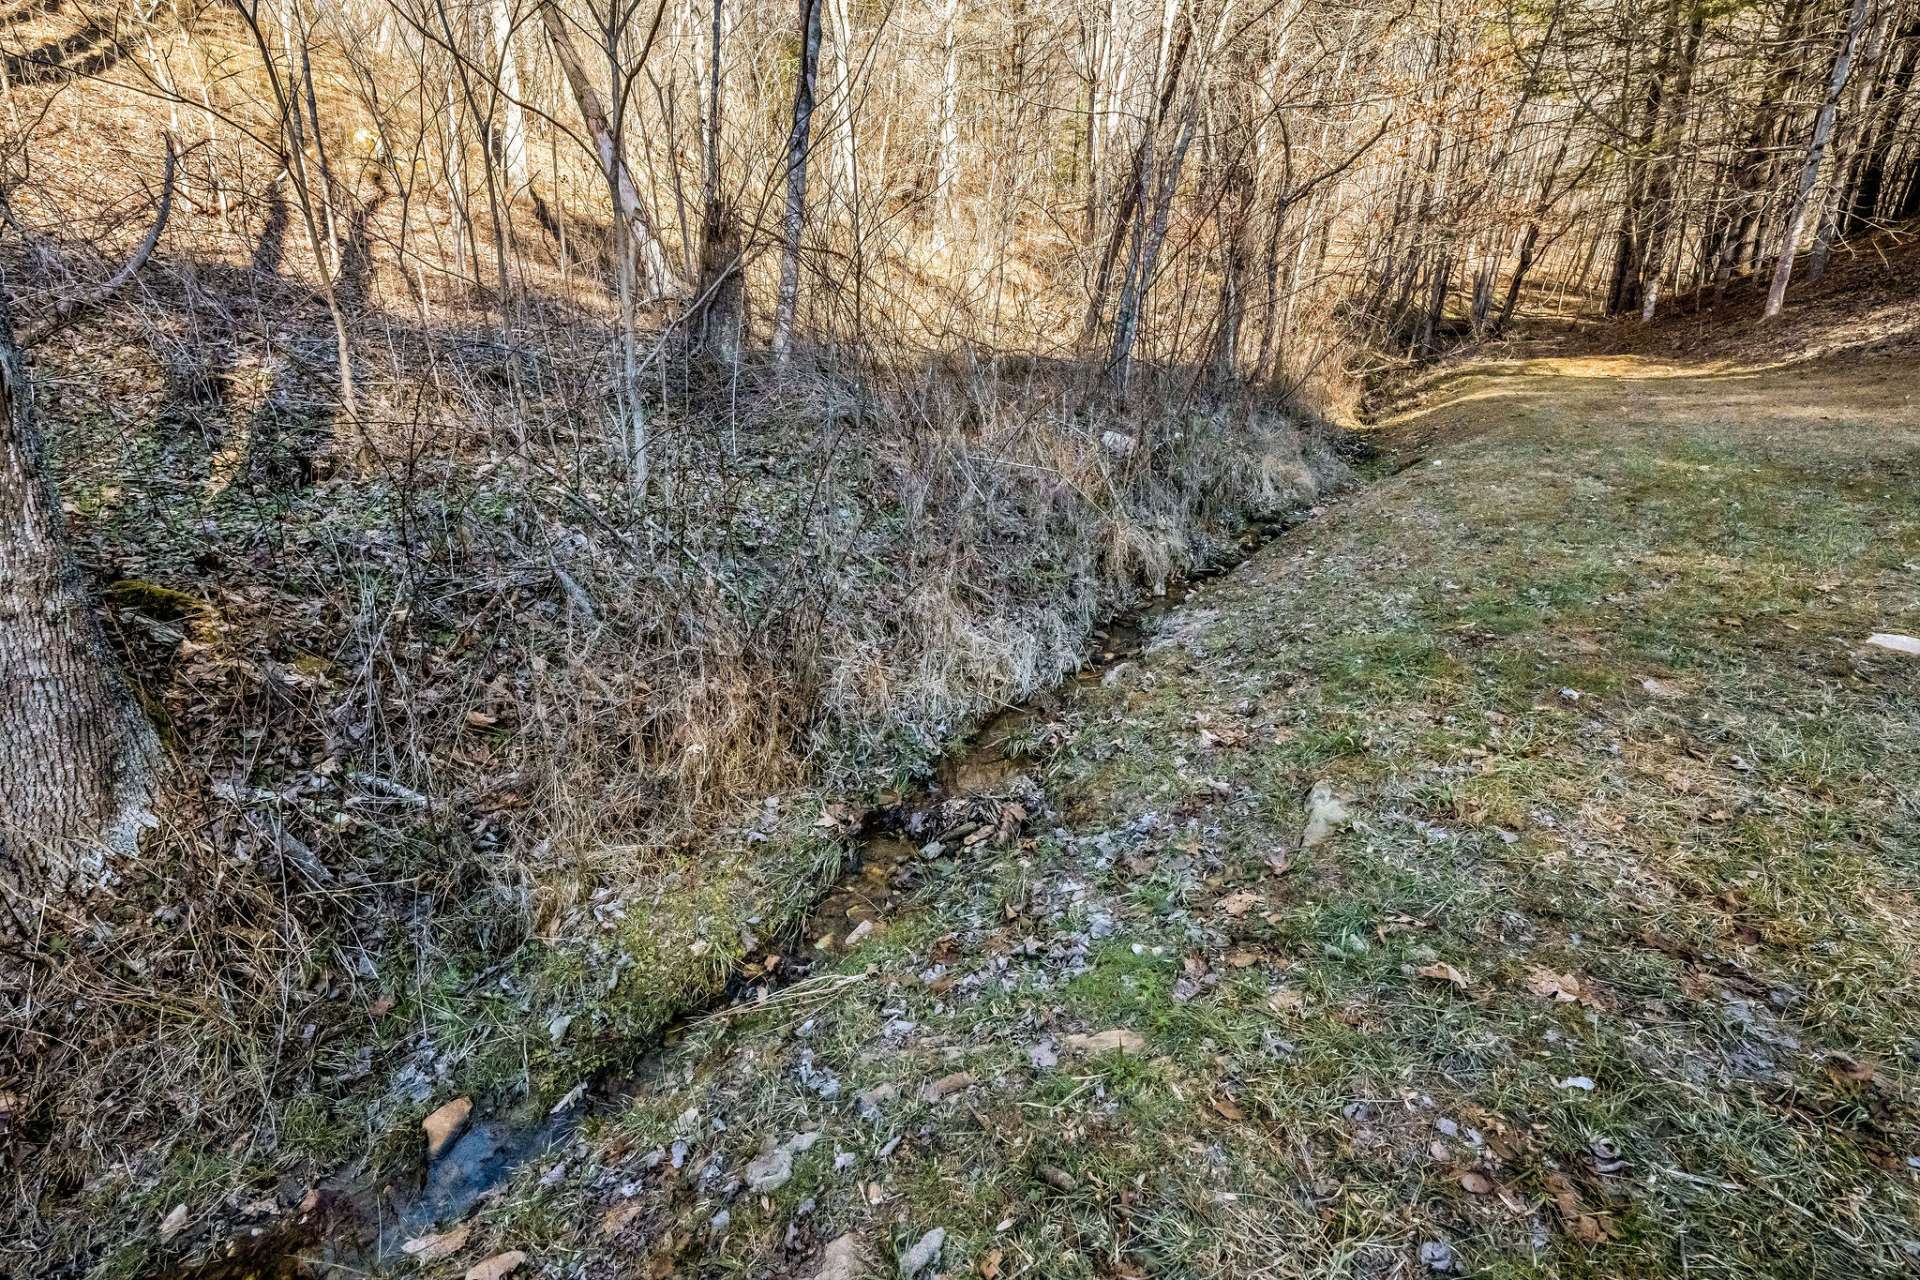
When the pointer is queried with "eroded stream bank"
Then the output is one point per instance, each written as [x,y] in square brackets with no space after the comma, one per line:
[367,1219]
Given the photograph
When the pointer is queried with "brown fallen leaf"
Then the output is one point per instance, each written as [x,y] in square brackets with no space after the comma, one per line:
[1843,1070]
[990,1265]
[1444,972]
[618,1217]
[1228,1108]
[498,1267]
[432,1248]
[1238,904]
[945,1085]
[1556,986]
[1586,1226]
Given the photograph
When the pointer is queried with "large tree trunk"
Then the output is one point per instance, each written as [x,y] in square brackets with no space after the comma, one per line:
[1816,148]
[78,758]
[787,299]
[1150,233]
[1530,238]
[947,182]
[720,311]
[1666,164]
[1623,294]
[1169,79]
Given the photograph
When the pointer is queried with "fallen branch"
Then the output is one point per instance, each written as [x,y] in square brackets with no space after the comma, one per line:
[68,310]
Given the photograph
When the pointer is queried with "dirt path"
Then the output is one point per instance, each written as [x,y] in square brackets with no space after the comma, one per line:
[1512,872]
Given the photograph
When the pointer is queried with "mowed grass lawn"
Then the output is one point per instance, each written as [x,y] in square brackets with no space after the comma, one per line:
[1609,971]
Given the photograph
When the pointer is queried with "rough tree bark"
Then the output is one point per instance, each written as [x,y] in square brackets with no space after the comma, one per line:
[1124,219]
[1150,233]
[1623,294]
[1747,181]
[79,759]
[949,170]
[1666,165]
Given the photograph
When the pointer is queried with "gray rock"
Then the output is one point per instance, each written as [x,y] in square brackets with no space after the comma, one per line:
[924,1254]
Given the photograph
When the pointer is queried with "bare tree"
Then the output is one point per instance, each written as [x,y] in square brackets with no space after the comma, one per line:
[657,277]
[795,217]
[1816,149]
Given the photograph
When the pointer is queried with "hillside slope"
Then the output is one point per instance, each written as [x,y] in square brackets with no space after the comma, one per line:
[1610,968]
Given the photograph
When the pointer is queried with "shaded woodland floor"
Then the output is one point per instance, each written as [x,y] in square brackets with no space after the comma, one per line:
[1609,967]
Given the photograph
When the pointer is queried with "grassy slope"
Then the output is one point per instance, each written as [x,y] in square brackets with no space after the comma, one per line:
[1691,887]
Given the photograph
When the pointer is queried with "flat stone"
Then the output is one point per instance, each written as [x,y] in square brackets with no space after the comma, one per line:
[1326,813]
[445,1124]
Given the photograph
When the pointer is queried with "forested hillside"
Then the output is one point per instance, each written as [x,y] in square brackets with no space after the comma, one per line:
[503,503]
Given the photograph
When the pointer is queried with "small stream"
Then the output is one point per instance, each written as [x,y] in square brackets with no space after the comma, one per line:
[358,1224]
